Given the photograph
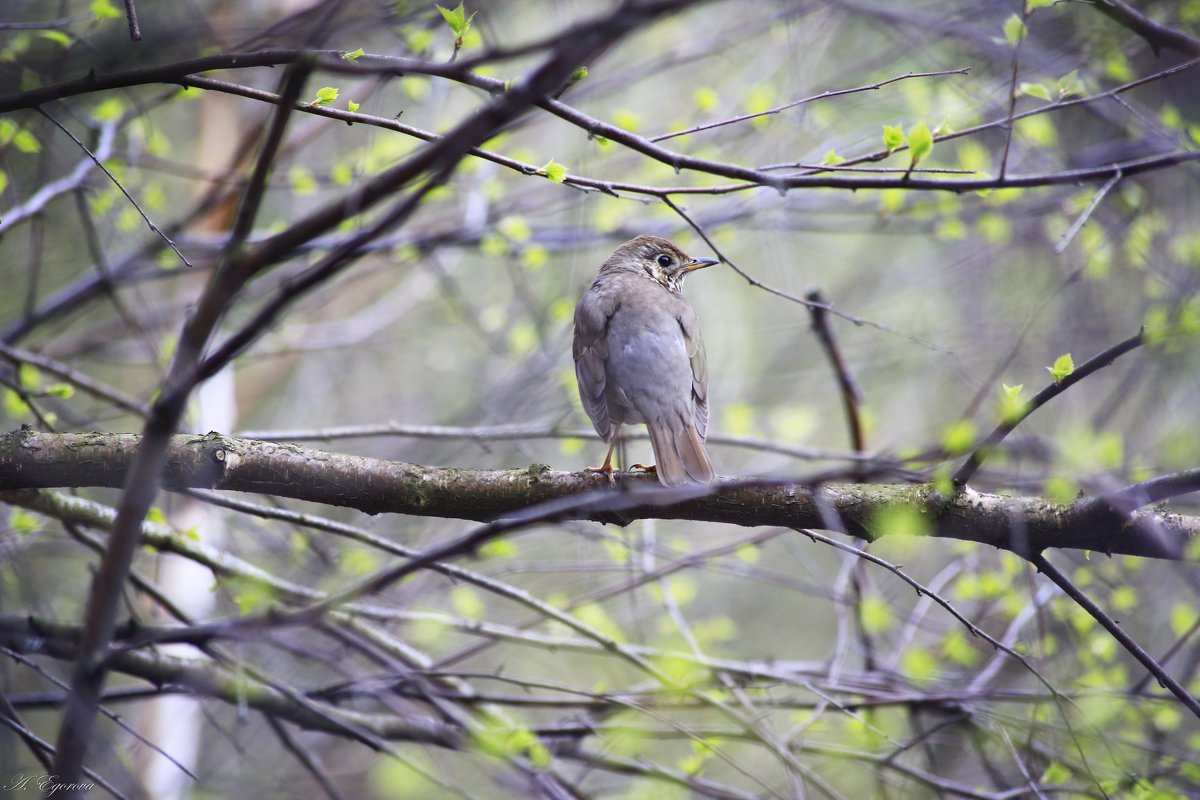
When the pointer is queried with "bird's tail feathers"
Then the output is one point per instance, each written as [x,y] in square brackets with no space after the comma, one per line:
[679,457]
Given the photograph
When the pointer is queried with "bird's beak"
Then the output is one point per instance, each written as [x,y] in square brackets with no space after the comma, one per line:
[698,263]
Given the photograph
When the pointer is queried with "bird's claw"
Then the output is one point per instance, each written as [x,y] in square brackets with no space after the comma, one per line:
[605,470]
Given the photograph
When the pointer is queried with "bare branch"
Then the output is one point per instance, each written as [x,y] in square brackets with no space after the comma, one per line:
[31,460]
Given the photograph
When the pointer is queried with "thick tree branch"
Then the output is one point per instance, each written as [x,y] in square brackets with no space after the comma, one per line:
[1024,525]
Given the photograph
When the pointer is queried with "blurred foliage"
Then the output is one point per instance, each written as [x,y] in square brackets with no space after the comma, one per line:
[463,318]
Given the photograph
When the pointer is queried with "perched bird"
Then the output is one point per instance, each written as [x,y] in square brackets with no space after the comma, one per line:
[638,357]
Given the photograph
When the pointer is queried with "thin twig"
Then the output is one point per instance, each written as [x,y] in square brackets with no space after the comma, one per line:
[131,14]
[1082,219]
[1054,389]
[850,391]
[822,96]
[117,183]
[42,197]
[1118,633]
[1012,91]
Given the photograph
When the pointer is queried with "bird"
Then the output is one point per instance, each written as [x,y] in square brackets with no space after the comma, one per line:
[639,358]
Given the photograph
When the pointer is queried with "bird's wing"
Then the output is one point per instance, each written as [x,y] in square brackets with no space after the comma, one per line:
[695,351]
[590,350]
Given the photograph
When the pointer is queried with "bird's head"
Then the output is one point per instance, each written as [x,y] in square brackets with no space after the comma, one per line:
[657,259]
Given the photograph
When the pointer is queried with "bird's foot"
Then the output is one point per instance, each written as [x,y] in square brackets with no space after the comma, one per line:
[605,470]
[644,468]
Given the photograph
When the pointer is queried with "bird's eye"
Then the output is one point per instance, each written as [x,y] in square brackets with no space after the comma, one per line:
[664,261]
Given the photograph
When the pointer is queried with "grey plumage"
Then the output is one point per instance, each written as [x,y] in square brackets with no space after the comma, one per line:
[639,357]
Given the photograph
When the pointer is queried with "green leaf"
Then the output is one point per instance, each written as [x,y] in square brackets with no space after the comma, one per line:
[1063,366]
[1033,5]
[1037,90]
[919,664]
[498,548]
[3,181]
[831,158]
[104,9]
[578,75]
[64,390]
[351,106]
[359,562]
[456,19]
[302,180]
[26,142]
[1012,407]
[1014,30]
[1183,617]
[325,96]
[1071,84]
[624,118]
[1124,598]
[353,55]
[23,522]
[958,437]
[875,614]
[893,136]
[1056,773]
[14,406]
[28,377]
[156,515]
[556,172]
[920,142]
[515,228]
[958,649]
[58,37]
[466,601]
[706,98]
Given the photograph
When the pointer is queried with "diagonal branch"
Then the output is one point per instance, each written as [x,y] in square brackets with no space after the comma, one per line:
[1118,633]
[1094,364]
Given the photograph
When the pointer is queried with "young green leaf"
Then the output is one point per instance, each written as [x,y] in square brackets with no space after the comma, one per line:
[958,437]
[1037,90]
[455,19]
[23,522]
[104,9]
[28,377]
[351,106]
[58,37]
[920,142]
[875,615]
[458,21]
[1070,84]
[353,55]
[325,96]
[1012,407]
[893,137]
[1014,30]
[1056,773]
[832,158]
[1063,366]
[554,171]
[577,76]
[26,142]
[1033,5]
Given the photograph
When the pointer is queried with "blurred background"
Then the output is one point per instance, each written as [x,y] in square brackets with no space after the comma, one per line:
[449,344]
